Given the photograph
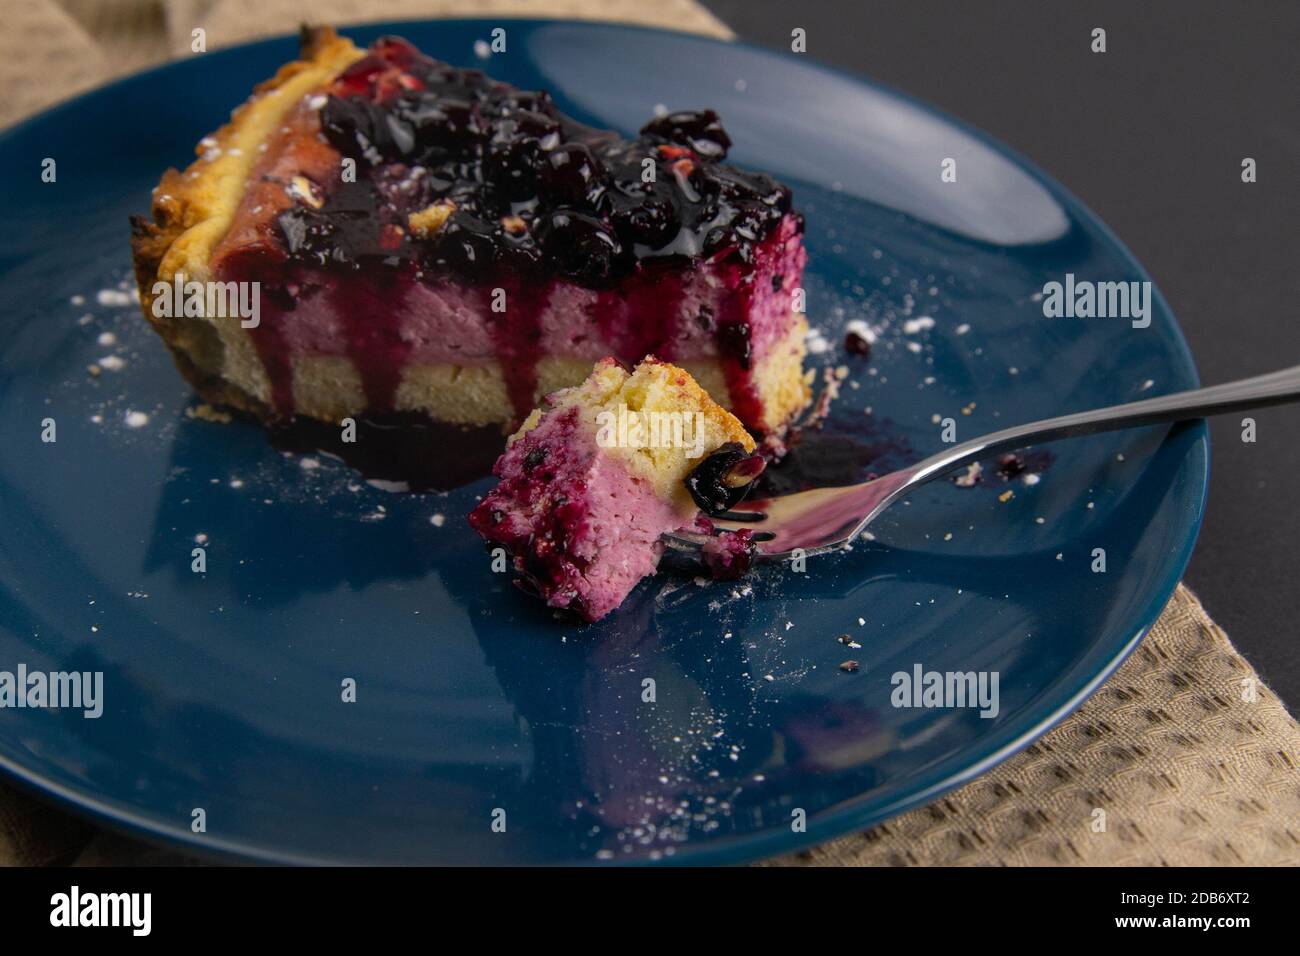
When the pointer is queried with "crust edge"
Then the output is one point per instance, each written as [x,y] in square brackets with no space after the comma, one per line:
[191,211]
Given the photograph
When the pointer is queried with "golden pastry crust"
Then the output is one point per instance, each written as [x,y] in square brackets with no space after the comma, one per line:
[193,210]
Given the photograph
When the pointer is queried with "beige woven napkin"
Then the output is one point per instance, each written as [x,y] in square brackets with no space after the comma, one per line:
[1170,762]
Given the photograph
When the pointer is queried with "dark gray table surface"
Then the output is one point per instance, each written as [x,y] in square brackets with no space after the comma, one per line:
[1151,136]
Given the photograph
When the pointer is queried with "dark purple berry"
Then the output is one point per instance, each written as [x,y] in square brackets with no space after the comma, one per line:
[526,100]
[722,480]
[359,128]
[581,246]
[857,344]
[571,175]
[445,123]
[467,245]
[653,222]
[733,340]
[701,130]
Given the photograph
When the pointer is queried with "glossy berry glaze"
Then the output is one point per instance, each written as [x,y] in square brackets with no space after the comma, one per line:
[599,245]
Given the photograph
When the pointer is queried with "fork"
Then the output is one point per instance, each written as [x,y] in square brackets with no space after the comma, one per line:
[829,519]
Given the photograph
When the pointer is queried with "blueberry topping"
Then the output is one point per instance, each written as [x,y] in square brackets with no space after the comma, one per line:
[722,480]
[530,186]
[467,245]
[448,123]
[701,130]
[361,129]
[579,245]
[571,175]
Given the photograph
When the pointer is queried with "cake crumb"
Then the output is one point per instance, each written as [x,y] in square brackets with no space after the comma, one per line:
[430,219]
[816,342]
[205,412]
[971,476]
[112,297]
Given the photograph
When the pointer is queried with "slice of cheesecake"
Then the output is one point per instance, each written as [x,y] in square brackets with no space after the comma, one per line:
[594,478]
[426,239]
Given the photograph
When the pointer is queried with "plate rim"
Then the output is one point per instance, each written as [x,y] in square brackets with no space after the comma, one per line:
[827,824]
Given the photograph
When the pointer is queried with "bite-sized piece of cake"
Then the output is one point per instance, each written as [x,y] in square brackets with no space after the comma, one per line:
[429,240]
[592,480]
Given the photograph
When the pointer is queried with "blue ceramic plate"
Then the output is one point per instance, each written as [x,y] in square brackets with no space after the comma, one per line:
[222,690]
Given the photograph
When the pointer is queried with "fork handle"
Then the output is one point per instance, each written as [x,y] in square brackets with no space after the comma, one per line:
[1275,388]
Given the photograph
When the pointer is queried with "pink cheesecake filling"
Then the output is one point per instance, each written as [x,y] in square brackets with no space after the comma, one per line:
[581,529]
[383,321]
[668,313]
